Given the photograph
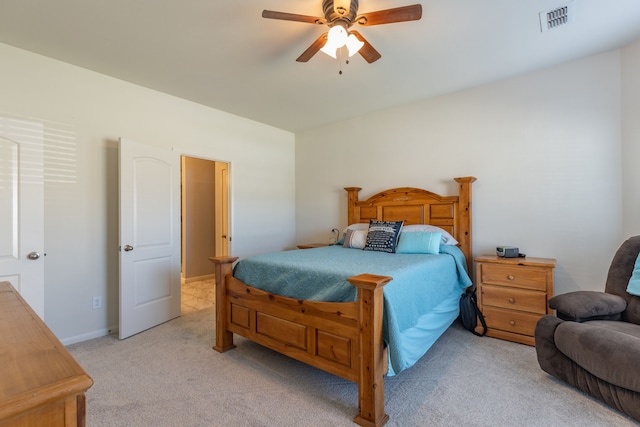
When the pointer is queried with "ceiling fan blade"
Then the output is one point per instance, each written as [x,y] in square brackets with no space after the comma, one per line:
[367,51]
[293,17]
[389,16]
[313,49]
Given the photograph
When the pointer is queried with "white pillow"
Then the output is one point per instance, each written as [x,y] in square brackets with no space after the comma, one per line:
[447,239]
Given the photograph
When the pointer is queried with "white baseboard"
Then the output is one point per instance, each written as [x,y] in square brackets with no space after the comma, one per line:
[199,278]
[89,336]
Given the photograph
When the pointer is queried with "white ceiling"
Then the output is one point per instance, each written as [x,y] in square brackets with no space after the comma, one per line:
[225,55]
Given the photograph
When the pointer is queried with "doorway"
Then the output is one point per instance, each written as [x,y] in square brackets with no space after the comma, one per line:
[205,228]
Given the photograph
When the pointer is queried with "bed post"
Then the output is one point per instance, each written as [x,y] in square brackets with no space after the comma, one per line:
[463,218]
[373,362]
[352,193]
[223,268]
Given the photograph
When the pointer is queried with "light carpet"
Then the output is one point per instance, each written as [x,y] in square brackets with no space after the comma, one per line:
[170,376]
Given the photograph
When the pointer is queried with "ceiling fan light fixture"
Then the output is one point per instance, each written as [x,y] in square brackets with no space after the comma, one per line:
[330,50]
[353,44]
[339,37]
[336,38]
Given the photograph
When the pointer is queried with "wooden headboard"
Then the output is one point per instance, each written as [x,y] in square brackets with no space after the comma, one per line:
[417,206]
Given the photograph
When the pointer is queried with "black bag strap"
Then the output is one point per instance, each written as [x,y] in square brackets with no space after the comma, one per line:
[480,316]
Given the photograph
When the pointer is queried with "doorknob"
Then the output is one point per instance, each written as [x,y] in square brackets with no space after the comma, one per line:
[33,256]
[128,248]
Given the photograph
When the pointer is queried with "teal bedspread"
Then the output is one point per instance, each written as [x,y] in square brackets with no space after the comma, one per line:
[419,303]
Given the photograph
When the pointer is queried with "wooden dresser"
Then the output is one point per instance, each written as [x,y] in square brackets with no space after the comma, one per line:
[513,295]
[41,384]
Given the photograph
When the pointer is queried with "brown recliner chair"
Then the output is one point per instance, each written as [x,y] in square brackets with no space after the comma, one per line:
[593,342]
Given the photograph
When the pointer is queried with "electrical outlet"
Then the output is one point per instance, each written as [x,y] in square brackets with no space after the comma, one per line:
[96,303]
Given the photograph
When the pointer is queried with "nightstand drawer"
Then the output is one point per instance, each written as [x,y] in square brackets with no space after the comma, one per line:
[511,321]
[515,276]
[514,299]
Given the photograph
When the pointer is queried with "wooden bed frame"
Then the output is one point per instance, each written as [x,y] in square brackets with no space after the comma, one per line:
[342,338]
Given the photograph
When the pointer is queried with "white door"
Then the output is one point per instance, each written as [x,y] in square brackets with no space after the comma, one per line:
[149,237]
[22,209]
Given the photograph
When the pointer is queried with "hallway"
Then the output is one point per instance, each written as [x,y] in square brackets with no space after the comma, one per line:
[197,295]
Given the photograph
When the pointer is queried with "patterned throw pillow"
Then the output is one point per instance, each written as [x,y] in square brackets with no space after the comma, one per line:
[357,226]
[383,236]
[355,239]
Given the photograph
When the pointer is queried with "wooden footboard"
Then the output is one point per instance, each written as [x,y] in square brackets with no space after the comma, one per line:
[344,339]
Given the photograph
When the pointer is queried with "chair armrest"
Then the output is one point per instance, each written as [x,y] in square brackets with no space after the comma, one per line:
[581,306]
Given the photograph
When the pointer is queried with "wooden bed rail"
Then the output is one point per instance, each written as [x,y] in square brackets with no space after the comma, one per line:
[345,338]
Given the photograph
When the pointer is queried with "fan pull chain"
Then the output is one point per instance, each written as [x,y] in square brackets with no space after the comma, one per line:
[340,51]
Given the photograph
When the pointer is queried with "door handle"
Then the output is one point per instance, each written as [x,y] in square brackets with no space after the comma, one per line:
[33,256]
[128,248]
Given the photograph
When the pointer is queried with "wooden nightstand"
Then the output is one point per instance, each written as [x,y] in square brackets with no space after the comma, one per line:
[513,294]
[312,245]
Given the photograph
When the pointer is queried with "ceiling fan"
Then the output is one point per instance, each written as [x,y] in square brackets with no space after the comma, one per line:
[340,16]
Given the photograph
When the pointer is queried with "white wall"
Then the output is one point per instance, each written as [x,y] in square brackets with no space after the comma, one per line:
[631,138]
[545,147]
[84,114]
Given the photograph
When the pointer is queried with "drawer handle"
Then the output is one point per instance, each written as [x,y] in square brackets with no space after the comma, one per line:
[512,322]
[511,300]
[510,277]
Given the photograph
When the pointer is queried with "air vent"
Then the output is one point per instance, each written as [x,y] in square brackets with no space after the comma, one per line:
[557,17]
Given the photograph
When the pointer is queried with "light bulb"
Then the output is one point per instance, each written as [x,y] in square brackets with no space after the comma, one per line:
[353,44]
[336,38]
[338,35]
